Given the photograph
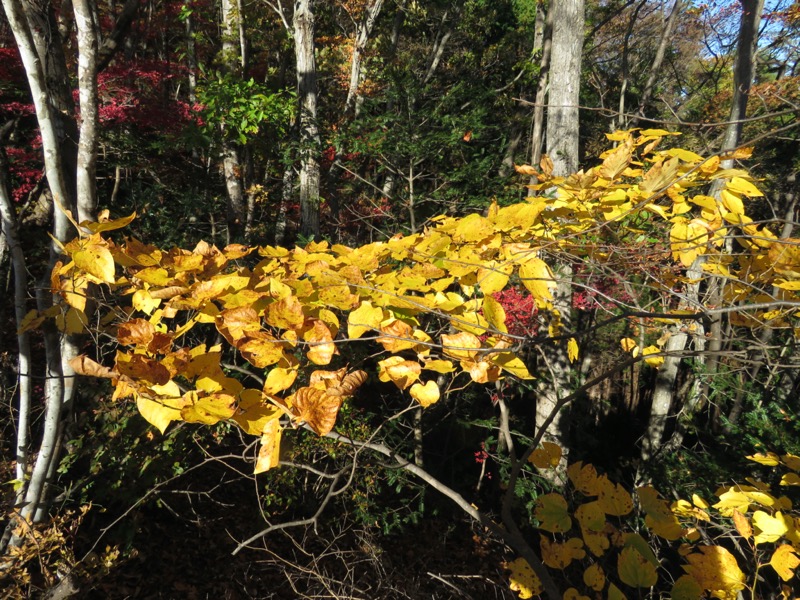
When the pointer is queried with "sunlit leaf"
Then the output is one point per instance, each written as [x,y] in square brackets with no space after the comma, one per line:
[785,561]
[768,528]
[269,448]
[316,408]
[715,569]
[425,394]
[523,579]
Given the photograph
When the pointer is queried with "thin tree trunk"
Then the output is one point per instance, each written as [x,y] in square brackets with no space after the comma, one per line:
[363,33]
[562,148]
[87,26]
[231,155]
[10,233]
[537,140]
[666,37]
[303,22]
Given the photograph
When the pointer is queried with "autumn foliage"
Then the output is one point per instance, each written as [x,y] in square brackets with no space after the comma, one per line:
[433,306]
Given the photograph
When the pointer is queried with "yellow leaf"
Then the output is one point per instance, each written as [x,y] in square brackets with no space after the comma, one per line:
[495,314]
[208,410]
[742,525]
[654,361]
[616,161]
[790,479]
[102,224]
[399,371]
[769,459]
[425,394]
[715,570]
[160,413]
[628,344]
[686,588]
[791,461]
[552,513]
[348,384]
[511,363]
[584,478]
[768,528]
[548,456]
[594,577]
[738,185]
[286,313]
[494,277]
[365,318]
[614,593]
[144,302]
[461,346]
[730,501]
[591,517]
[321,344]
[279,379]
[398,335]
[254,412]
[572,350]
[613,498]
[636,541]
[269,451]
[316,408]
[440,366]
[732,202]
[559,556]
[784,560]
[537,278]
[523,580]
[95,260]
[634,570]
[474,228]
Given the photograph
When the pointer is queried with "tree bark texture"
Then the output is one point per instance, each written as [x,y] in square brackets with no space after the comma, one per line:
[303,23]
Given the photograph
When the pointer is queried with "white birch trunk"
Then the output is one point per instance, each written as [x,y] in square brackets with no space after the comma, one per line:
[303,23]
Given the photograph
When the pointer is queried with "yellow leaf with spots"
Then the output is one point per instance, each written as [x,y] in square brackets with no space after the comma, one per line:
[270,447]
[425,394]
[553,514]
[439,366]
[559,555]
[613,498]
[584,478]
[785,561]
[316,408]
[715,569]
[594,577]
[523,579]
[591,516]
[474,228]
[739,185]
[634,570]
[286,313]
[686,588]
[574,594]
[547,456]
